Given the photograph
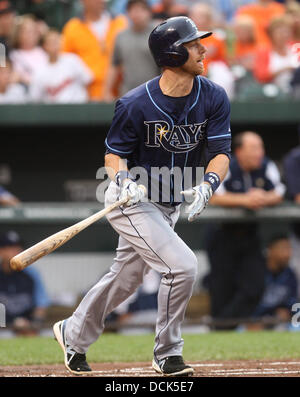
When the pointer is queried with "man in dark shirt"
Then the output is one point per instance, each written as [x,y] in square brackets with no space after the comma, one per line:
[237,272]
[280,292]
[21,293]
[131,57]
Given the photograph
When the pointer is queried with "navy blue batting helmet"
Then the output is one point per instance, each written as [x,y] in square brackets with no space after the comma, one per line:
[167,39]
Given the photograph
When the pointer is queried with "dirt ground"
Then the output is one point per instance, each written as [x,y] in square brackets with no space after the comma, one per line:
[282,368]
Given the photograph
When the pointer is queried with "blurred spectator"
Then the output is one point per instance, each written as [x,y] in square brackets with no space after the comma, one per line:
[7,198]
[293,11]
[167,9]
[237,272]
[27,56]
[55,13]
[224,10]
[277,64]
[132,59]
[64,78]
[295,84]
[22,293]
[215,64]
[119,6]
[92,38]
[230,7]
[280,291]
[291,166]
[203,16]
[10,92]
[245,44]
[7,23]
[262,12]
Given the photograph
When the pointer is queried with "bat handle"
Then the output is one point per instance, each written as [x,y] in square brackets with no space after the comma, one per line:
[144,189]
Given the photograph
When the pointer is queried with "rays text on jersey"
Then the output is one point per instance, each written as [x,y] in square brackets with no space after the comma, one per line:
[176,139]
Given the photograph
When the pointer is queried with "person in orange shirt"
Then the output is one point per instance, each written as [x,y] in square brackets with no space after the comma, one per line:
[245,44]
[202,15]
[262,12]
[92,38]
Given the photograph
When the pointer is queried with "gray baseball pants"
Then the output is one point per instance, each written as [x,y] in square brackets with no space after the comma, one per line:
[146,240]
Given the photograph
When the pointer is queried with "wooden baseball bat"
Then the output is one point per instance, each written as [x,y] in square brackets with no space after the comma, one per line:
[51,243]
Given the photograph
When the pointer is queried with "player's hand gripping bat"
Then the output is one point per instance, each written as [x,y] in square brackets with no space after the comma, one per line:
[51,243]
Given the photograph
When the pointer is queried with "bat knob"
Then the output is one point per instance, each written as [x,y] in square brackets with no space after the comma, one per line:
[15,264]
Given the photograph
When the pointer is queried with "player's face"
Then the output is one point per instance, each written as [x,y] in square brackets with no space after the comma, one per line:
[194,64]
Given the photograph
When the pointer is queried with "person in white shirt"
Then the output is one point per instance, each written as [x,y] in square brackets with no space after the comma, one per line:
[10,93]
[27,56]
[64,78]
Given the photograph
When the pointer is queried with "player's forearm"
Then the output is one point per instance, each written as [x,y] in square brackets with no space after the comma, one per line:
[219,165]
[114,164]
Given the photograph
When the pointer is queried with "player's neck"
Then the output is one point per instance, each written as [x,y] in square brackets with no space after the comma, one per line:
[175,83]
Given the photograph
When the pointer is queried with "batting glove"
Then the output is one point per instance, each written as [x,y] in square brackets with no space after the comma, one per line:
[131,190]
[201,195]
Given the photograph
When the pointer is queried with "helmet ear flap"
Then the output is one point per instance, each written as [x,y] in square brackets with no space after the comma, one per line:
[176,56]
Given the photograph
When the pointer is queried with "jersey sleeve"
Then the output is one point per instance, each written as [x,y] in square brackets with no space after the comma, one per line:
[218,126]
[122,138]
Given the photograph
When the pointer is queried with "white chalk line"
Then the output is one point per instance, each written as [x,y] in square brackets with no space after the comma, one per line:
[285,363]
[148,371]
[208,365]
[258,363]
[253,370]
[262,372]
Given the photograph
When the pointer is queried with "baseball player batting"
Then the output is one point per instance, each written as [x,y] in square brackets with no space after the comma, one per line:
[165,122]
